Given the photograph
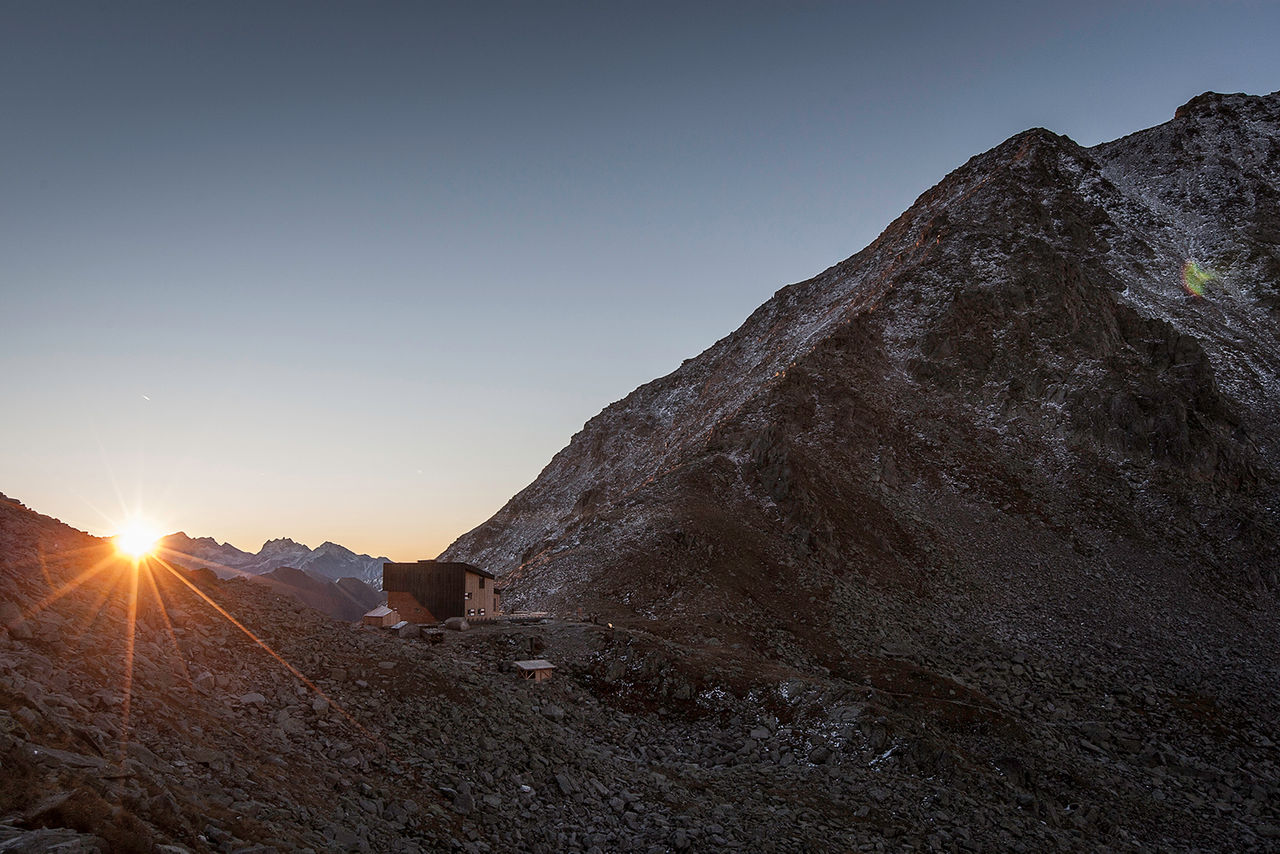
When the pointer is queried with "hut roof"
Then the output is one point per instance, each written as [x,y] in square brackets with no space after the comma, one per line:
[468,567]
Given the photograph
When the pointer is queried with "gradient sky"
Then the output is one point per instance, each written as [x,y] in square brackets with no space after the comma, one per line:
[356,271]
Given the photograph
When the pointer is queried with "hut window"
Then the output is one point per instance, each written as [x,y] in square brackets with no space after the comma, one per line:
[468,595]
[471,612]
[481,612]
[482,582]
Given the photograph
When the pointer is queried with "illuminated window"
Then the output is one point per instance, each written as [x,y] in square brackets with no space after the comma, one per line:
[471,612]
[468,596]
[481,612]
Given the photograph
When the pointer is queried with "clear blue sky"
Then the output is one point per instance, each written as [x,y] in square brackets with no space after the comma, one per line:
[356,271]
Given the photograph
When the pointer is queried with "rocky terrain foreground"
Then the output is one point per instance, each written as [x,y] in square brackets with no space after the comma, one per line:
[195,737]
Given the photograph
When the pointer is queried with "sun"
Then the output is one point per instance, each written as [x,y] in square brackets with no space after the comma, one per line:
[136,540]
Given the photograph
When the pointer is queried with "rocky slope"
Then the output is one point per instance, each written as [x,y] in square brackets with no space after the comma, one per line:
[1007,400]
[330,560]
[1017,344]
[186,733]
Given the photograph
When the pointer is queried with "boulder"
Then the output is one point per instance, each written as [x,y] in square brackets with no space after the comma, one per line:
[463,801]
[457,624]
[62,840]
[12,619]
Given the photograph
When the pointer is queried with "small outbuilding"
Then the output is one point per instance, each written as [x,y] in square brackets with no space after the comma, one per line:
[381,616]
[538,669]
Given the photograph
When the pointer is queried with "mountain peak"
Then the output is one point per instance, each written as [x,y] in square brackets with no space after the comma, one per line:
[329,545]
[1215,102]
[280,543]
[183,536]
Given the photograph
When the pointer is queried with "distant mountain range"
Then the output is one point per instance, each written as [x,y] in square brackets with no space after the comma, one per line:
[27,538]
[328,562]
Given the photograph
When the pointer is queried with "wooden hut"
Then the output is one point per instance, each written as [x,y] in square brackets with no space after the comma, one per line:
[432,591]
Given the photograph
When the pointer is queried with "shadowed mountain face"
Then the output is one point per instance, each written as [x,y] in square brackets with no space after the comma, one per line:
[329,561]
[347,598]
[1006,406]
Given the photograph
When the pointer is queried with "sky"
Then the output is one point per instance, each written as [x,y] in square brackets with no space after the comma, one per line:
[357,271]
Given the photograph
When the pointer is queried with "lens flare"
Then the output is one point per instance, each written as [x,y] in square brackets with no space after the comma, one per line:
[1196,278]
[136,540]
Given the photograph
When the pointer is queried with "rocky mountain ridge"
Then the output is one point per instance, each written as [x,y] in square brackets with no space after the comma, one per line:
[1018,343]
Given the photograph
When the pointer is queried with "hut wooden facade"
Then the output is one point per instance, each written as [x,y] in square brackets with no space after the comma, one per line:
[432,591]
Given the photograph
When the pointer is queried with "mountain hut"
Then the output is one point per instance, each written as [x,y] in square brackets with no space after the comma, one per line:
[432,591]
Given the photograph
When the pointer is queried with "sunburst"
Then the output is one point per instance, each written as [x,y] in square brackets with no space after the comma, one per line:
[137,566]
[136,539]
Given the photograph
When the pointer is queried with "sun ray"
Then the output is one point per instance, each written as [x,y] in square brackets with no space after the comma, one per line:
[168,624]
[69,586]
[267,648]
[183,558]
[44,565]
[131,624]
[94,609]
[57,553]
